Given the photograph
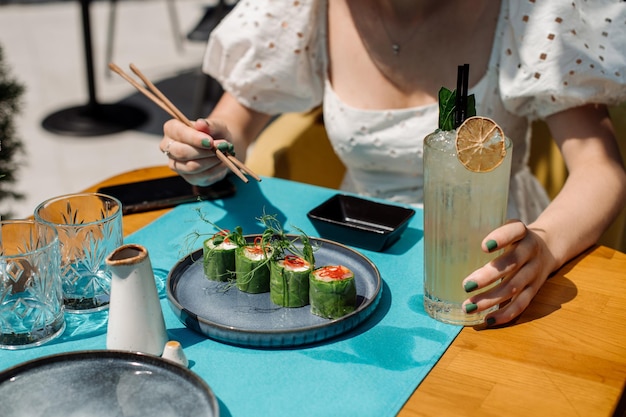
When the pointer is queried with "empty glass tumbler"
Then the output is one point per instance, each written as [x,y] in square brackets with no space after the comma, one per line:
[31,299]
[89,227]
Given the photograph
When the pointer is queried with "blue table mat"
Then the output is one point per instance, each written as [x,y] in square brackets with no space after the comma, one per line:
[369,371]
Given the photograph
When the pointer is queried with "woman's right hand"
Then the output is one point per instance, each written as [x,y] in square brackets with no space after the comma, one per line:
[191,151]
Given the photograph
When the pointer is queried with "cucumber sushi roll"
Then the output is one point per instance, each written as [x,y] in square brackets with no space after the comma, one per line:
[332,291]
[289,281]
[252,267]
[219,258]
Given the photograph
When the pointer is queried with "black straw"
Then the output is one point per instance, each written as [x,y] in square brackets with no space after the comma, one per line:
[460,105]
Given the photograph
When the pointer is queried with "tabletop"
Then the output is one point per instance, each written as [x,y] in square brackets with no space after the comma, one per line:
[565,355]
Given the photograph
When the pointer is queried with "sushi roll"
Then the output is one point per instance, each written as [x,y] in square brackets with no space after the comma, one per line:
[289,281]
[219,257]
[252,267]
[332,291]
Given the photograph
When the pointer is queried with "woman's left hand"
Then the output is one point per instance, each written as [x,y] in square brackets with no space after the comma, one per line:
[523,267]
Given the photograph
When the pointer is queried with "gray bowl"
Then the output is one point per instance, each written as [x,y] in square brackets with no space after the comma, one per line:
[104,383]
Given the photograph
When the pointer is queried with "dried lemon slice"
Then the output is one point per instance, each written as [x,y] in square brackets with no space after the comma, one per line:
[480,145]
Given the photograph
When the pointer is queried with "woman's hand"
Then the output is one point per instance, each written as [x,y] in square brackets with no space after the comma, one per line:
[523,267]
[191,151]
[592,196]
[230,127]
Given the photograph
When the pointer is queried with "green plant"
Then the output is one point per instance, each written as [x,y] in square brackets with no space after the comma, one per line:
[10,145]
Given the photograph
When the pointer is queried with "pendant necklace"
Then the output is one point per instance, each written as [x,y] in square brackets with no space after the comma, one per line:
[395,46]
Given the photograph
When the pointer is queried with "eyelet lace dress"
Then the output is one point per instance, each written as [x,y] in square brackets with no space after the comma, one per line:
[547,56]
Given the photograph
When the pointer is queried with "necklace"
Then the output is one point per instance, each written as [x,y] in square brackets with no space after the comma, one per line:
[395,46]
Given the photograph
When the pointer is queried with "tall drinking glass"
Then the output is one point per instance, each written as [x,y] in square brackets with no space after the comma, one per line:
[460,208]
[89,227]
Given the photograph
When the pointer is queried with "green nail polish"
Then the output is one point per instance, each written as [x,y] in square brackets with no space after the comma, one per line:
[470,286]
[490,321]
[470,307]
[224,146]
[206,143]
[491,245]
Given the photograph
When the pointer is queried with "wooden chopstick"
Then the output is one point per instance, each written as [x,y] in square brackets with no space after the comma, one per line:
[243,167]
[156,96]
[229,160]
[142,89]
[179,115]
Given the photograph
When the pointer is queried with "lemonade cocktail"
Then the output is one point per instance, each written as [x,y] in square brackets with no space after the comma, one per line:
[460,208]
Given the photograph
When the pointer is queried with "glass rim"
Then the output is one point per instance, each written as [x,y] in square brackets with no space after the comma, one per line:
[51,200]
[508,142]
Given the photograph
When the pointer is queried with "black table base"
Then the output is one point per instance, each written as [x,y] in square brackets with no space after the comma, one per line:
[94,120]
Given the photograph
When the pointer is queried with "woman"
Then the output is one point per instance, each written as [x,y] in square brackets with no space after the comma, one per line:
[377,65]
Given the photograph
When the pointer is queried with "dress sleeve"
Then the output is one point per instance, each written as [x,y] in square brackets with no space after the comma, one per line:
[559,54]
[270,54]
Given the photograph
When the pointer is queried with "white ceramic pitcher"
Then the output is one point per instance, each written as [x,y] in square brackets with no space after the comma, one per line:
[135,317]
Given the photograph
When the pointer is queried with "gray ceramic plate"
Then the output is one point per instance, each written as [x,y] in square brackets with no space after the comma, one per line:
[226,314]
[104,383]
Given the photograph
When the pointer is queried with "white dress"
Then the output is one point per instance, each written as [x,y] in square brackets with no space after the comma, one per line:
[548,55]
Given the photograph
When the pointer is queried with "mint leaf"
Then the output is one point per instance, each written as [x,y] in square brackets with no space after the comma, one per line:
[447,108]
[471,106]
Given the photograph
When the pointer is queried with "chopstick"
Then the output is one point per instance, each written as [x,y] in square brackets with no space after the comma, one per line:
[157,97]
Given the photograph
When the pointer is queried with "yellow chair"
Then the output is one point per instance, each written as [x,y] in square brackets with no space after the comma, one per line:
[548,166]
[295,146]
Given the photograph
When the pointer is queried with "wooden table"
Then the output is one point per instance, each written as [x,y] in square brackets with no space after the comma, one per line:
[564,356]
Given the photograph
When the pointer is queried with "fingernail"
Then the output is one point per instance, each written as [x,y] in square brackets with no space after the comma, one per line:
[490,321]
[205,122]
[224,146]
[491,245]
[470,286]
[206,143]
[470,307]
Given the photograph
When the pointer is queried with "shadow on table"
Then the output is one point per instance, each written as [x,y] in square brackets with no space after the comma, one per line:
[620,408]
[557,291]
[83,326]
[381,310]
[256,203]
[224,411]
[410,238]
[388,347]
